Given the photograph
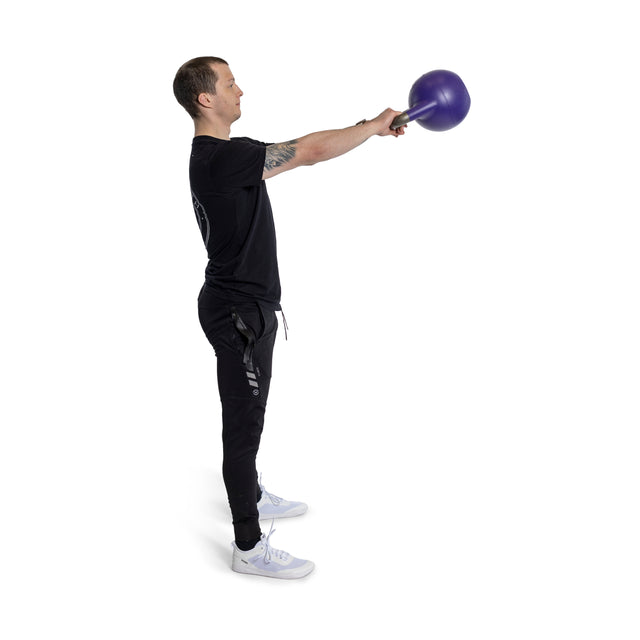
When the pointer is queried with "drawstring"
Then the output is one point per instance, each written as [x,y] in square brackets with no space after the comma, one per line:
[284,324]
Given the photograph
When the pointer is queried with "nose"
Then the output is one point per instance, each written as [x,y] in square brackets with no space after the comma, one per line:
[240,92]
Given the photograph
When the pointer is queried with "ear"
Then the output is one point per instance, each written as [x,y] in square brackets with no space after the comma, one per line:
[206,100]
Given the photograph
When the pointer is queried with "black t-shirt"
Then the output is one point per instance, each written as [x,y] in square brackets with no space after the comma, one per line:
[234,214]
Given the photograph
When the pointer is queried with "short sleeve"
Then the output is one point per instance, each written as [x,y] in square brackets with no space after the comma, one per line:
[238,163]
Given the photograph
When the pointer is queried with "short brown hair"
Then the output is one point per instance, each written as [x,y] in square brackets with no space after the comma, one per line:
[193,78]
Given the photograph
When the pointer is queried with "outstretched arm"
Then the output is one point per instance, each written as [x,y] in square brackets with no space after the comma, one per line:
[325,145]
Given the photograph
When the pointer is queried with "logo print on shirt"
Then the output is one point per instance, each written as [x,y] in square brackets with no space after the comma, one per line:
[201,217]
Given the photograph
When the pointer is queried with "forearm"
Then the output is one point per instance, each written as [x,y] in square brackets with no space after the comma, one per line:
[325,145]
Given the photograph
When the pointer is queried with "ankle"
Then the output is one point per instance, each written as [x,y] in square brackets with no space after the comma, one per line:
[247,545]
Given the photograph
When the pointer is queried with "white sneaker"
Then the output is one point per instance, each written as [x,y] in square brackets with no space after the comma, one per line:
[264,560]
[271,506]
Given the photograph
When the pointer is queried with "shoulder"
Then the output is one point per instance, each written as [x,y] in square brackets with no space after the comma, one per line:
[251,141]
[204,147]
[238,162]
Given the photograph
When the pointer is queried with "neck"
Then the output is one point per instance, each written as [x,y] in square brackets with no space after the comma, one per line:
[215,129]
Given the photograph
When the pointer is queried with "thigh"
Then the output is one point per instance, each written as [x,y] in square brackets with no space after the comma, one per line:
[243,336]
[254,337]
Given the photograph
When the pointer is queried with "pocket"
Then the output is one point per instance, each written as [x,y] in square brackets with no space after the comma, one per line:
[246,325]
[269,324]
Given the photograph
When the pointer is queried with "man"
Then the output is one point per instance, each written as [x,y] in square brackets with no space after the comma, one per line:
[241,294]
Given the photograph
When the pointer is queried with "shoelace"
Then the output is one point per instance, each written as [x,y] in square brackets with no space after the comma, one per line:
[269,551]
[275,500]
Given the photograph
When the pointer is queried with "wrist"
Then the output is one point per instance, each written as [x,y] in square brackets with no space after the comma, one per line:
[368,126]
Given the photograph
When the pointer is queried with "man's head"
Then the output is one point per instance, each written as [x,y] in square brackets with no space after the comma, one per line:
[207,83]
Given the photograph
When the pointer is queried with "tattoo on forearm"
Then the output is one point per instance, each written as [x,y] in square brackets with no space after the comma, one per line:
[279,154]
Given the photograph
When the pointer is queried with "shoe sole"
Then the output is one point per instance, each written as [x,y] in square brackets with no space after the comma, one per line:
[282,575]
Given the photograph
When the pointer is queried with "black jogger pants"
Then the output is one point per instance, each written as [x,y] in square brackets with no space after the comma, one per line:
[243,336]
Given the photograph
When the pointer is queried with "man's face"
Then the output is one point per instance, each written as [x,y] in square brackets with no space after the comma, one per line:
[228,93]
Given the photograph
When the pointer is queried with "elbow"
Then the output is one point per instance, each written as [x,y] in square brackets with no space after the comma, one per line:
[310,157]
[312,154]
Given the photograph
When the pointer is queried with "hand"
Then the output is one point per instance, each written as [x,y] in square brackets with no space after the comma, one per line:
[383,122]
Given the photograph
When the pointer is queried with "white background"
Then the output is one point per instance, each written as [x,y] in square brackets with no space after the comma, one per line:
[458,397]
